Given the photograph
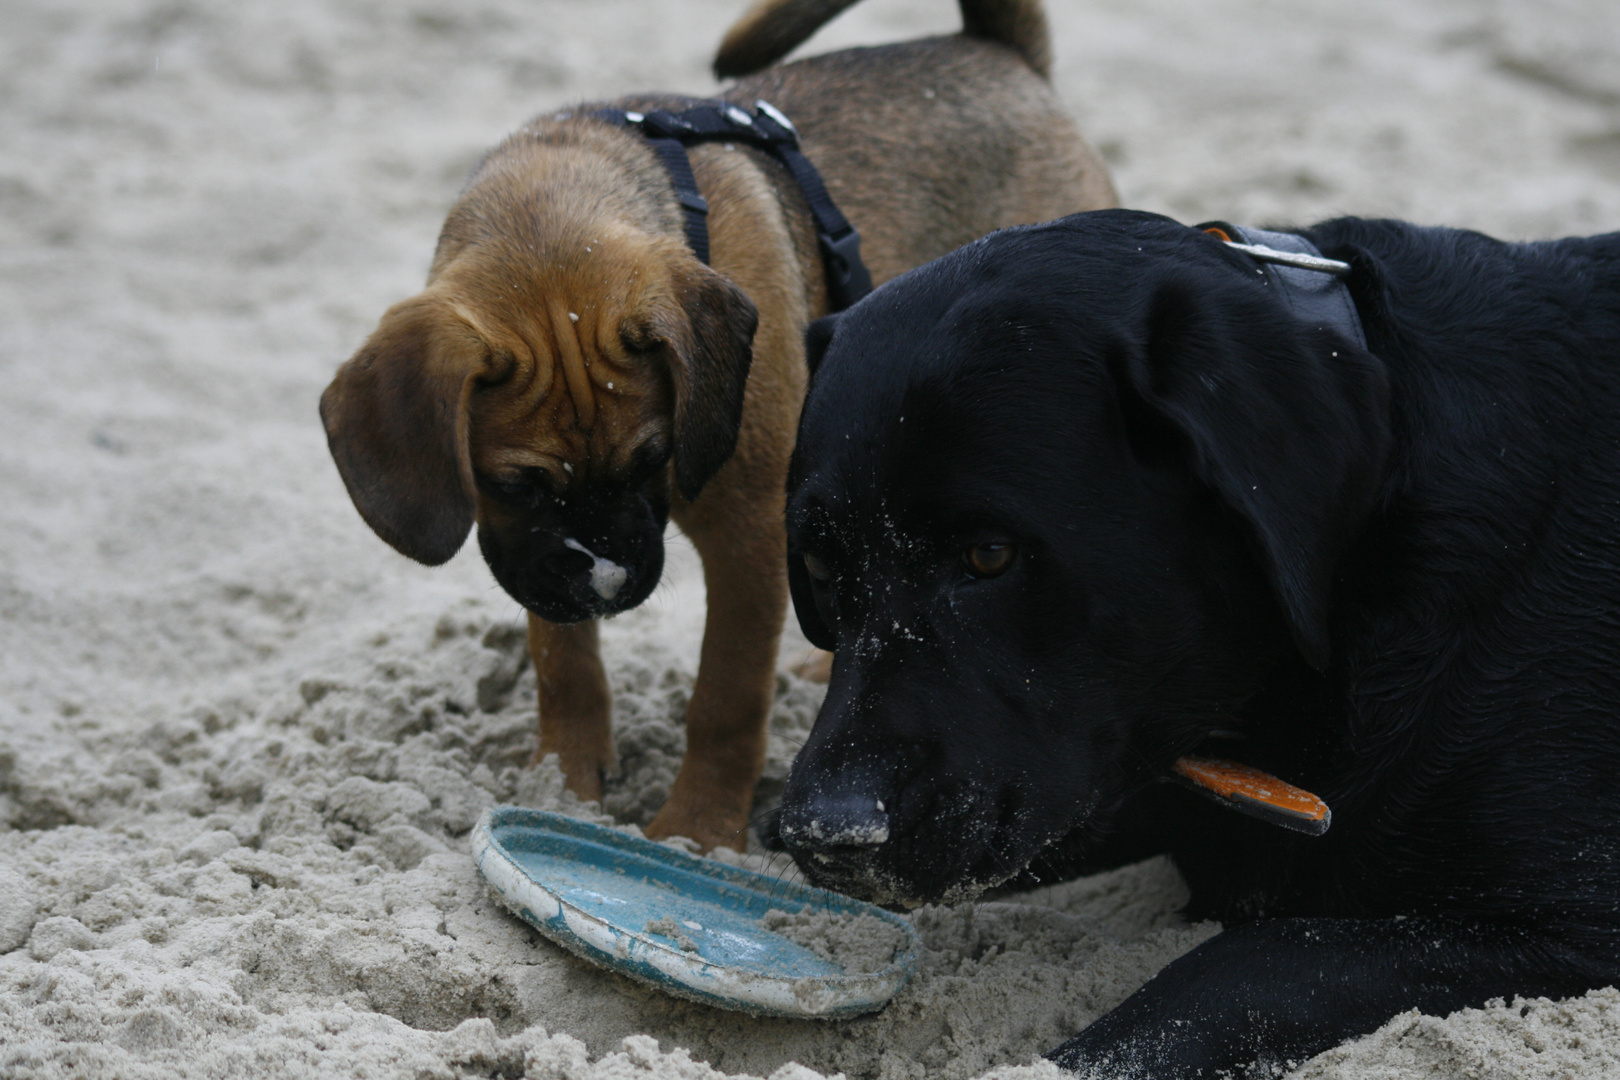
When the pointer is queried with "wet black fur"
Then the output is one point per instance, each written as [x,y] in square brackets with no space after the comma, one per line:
[1391,577]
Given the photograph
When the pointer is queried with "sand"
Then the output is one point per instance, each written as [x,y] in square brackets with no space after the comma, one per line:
[242,742]
[860,944]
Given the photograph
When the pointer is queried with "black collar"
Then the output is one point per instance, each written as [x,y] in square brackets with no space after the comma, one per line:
[670,133]
[1313,286]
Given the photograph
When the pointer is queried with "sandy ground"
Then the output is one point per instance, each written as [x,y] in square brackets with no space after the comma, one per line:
[241,741]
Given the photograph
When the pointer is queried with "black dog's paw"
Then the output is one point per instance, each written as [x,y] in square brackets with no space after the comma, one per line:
[1203,1016]
[1085,1058]
[1154,1055]
[1154,1063]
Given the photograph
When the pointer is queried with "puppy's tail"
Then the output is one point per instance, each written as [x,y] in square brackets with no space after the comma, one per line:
[771,29]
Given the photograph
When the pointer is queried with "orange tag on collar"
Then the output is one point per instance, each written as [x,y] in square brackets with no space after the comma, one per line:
[1258,794]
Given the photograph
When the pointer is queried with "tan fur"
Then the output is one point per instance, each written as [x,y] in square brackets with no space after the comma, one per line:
[770,29]
[925,146]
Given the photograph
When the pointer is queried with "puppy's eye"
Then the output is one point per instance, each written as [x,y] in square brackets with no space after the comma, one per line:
[647,463]
[817,568]
[639,338]
[522,492]
[988,560]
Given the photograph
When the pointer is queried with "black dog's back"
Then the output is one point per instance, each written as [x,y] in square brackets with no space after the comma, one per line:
[1467,731]
[1478,681]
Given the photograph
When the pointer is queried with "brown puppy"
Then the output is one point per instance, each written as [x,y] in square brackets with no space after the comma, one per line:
[573,376]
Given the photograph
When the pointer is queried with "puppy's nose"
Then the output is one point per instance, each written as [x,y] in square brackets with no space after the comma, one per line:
[835,820]
[567,564]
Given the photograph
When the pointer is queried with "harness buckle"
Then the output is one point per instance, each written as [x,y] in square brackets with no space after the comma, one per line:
[847,277]
[774,126]
[771,111]
[669,134]
[668,125]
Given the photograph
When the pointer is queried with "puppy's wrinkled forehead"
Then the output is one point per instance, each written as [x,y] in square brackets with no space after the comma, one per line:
[574,389]
[564,268]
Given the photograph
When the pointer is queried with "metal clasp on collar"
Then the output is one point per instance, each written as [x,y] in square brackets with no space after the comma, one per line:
[1261,253]
[1314,288]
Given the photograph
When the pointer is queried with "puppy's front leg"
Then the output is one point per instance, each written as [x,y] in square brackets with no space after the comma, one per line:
[744,556]
[1279,990]
[576,707]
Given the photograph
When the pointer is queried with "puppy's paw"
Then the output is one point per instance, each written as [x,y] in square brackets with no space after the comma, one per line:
[583,773]
[814,666]
[710,826]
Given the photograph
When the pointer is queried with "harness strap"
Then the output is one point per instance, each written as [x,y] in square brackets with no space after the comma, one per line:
[668,134]
[1311,285]
[694,207]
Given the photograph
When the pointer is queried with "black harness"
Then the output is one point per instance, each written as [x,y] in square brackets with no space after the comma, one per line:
[1313,286]
[670,133]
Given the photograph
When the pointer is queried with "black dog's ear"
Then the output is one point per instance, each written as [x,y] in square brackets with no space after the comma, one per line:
[1286,423]
[817,632]
[817,336]
[710,344]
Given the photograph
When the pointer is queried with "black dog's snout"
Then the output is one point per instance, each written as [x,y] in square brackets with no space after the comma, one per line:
[834,821]
[770,830]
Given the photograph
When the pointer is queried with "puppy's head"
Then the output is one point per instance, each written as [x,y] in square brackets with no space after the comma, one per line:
[568,359]
[1059,500]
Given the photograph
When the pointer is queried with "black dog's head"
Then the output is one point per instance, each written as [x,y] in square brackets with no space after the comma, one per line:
[1059,501]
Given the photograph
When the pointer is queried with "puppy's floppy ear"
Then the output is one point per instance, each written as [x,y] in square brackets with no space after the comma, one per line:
[817,336]
[710,344]
[1287,424]
[396,423]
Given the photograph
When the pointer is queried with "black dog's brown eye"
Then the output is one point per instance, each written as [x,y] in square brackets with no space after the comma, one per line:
[817,568]
[988,560]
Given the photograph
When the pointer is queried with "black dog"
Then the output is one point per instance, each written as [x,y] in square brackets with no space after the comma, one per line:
[1081,498]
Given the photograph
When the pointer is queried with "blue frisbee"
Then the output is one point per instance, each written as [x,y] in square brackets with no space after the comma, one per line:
[692,927]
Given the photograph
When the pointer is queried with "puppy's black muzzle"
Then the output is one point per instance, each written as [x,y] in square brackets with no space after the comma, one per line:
[582,558]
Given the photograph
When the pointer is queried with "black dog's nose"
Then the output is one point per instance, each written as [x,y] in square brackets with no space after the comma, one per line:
[770,830]
[832,821]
